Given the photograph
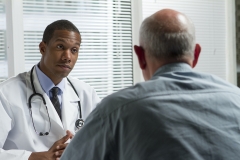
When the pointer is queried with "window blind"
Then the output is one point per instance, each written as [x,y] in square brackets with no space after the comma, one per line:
[3,55]
[237,2]
[105,56]
[209,17]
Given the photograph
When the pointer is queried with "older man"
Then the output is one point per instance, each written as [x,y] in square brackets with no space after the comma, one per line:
[177,114]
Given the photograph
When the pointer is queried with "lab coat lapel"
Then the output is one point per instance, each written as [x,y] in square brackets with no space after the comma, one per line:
[70,110]
[56,124]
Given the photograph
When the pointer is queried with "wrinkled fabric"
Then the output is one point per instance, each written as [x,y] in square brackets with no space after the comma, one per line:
[177,115]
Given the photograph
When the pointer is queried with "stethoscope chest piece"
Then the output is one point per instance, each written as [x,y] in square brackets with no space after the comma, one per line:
[79,123]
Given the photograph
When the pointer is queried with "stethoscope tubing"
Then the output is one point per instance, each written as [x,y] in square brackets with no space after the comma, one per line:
[79,121]
[79,104]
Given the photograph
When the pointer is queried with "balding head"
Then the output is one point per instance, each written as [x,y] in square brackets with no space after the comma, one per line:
[171,21]
[168,35]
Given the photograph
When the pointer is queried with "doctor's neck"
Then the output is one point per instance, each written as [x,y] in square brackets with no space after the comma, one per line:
[56,77]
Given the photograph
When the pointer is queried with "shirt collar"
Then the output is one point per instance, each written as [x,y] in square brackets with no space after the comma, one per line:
[46,83]
[172,67]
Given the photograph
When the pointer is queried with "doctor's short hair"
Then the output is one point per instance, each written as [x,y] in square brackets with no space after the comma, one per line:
[161,44]
[58,25]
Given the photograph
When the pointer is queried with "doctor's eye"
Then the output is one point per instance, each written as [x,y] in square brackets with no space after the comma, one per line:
[60,46]
[74,50]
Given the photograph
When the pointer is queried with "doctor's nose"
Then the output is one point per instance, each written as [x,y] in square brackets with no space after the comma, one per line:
[66,56]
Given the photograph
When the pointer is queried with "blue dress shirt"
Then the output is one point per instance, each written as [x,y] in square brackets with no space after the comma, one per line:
[47,84]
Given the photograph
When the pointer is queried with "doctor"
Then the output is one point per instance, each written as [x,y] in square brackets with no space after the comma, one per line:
[41,109]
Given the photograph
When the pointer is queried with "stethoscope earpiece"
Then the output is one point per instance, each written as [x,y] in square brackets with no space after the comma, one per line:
[45,134]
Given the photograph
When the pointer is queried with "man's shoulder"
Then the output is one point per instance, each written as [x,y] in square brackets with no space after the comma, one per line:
[167,84]
[119,99]
[15,80]
[215,82]
[16,85]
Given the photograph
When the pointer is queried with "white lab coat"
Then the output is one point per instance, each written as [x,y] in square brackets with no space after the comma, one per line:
[17,135]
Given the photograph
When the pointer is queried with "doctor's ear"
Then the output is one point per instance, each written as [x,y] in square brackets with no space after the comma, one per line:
[42,47]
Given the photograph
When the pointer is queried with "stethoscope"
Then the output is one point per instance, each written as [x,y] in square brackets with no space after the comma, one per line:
[79,122]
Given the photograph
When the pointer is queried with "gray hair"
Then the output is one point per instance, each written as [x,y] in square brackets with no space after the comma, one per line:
[163,44]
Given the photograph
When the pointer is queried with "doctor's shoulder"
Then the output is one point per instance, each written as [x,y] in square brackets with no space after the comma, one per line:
[14,81]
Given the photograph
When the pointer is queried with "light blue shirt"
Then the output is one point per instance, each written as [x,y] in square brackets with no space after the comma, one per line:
[177,115]
[47,84]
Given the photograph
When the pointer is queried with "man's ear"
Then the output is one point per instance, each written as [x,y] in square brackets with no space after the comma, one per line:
[196,55]
[42,47]
[141,56]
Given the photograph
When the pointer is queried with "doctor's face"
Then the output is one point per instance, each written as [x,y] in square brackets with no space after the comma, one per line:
[60,54]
